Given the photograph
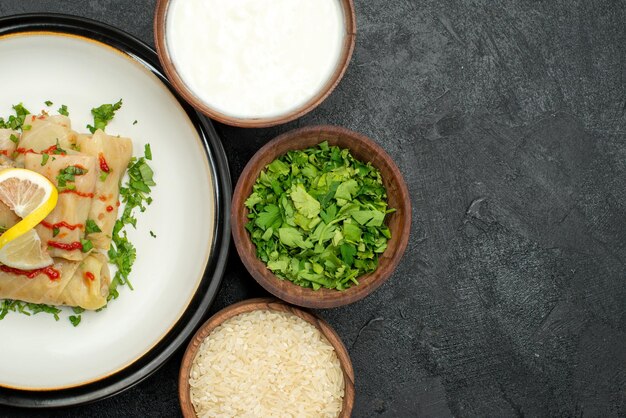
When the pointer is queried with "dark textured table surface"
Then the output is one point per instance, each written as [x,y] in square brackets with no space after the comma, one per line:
[508,121]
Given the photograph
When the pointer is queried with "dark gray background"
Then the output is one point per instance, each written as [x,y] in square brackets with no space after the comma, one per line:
[508,121]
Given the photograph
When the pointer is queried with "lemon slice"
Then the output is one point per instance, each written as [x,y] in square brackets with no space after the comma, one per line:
[32,197]
[25,252]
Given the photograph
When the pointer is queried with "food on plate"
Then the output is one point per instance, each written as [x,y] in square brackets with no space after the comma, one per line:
[266,363]
[255,58]
[317,217]
[59,200]
[83,283]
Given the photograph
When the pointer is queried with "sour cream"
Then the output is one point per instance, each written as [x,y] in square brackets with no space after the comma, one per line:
[255,58]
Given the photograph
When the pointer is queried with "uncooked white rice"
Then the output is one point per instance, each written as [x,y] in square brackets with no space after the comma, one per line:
[266,364]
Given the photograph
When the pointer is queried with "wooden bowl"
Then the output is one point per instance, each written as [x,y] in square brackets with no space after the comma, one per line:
[173,76]
[263,304]
[399,222]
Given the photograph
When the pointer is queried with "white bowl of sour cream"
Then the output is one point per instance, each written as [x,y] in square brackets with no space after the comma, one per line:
[255,63]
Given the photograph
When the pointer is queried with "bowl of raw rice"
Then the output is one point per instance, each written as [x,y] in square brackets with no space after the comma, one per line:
[262,357]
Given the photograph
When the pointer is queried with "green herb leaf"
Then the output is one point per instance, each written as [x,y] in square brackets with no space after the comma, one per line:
[87,245]
[102,115]
[44,159]
[48,103]
[63,110]
[68,174]
[55,231]
[91,227]
[75,319]
[16,122]
[14,138]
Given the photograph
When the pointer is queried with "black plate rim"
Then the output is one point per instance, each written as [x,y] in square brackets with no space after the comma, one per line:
[180,333]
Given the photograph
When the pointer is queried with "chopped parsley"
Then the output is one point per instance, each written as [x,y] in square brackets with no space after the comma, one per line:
[152,234]
[86,245]
[135,122]
[102,115]
[55,231]
[58,150]
[48,103]
[135,194]
[26,308]
[13,138]
[17,121]
[103,175]
[75,319]
[68,174]
[91,227]
[44,159]
[63,110]
[317,217]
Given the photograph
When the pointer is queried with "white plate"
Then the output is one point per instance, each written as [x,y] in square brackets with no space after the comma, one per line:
[41,354]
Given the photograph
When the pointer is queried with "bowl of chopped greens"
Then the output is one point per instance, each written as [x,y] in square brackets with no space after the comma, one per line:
[321,216]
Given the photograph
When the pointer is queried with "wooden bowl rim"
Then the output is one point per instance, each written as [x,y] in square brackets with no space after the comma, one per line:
[178,84]
[311,298]
[254,304]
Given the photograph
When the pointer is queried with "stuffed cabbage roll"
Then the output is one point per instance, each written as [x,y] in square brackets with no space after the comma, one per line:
[44,134]
[72,283]
[113,154]
[8,142]
[75,177]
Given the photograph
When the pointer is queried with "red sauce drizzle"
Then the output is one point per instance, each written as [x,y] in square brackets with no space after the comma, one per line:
[81,167]
[53,274]
[103,163]
[109,208]
[52,150]
[76,192]
[118,204]
[21,150]
[4,152]
[89,275]
[60,224]
[68,247]
[102,197]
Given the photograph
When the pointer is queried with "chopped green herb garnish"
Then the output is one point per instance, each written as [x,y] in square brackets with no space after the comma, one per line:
[135,122]
[152,234]
[103,115]
[14,138]
[147,152]
[103,175]
[55,231]
[15,122]
[91,227]
[44,159]
[135,195]
[48,103]
[75,319]
[68,174]
[26,127]
[58,150]
[317,217]
[87,245]
[78,310]
[63,110]
[28,309]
